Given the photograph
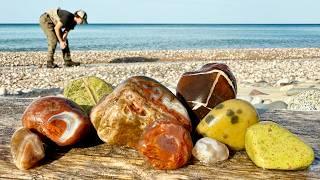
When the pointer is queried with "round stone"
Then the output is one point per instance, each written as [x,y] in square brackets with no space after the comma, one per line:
[26,148]
[210,151]
[228,121]
[87,91]
[166,144]
[59,119]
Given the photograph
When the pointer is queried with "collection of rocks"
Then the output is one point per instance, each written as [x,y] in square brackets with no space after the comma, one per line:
[144,114]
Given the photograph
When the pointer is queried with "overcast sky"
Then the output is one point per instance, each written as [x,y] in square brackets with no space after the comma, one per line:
[170,11]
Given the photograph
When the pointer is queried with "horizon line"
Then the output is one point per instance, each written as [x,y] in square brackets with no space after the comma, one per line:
[177,23]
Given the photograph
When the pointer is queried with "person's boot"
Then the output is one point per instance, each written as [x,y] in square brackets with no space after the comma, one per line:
[69,63]
[50,64]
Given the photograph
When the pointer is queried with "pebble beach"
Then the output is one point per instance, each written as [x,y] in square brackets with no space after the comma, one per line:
[263,76]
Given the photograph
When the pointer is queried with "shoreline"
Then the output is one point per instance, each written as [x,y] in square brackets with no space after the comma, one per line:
[22,73]
[27,58]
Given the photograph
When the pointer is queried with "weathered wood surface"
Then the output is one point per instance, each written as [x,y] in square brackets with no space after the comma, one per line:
[97,160]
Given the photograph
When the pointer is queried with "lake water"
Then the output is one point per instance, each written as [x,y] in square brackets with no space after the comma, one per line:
[29,37]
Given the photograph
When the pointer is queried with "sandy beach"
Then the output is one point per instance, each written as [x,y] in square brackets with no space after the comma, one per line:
[263,75]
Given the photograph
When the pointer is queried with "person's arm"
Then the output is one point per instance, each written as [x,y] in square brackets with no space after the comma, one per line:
[65,35]
[58,31]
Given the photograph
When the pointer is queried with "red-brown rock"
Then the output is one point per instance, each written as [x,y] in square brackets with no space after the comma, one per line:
[202,90]
[166,144]
[57,118]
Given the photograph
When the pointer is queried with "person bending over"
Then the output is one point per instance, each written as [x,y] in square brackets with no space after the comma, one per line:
[56,24]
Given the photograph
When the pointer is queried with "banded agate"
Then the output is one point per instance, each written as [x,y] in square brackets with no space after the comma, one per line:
[166,144]
[203,89]
[26,149]
[59,119]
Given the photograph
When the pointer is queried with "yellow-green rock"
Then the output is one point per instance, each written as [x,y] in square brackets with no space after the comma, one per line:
[87,91]
[271,146]
[228,122]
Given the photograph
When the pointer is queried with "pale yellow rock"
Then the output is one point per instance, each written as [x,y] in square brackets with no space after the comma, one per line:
[228,122]
[271,146]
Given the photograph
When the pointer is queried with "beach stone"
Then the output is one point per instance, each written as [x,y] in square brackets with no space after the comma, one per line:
[228,122]
[59,119]
[255,92]
[121,117]
[306,101]
[284,82]
[271,146]
[3,91]
[277,105]
[166,144]
[256,100]
[87,91]
[295,91]
[203,89]
[26,149]
[286,88]
[210,151]
[246,98]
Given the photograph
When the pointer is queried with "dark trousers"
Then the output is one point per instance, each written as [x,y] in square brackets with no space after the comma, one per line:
[47,27]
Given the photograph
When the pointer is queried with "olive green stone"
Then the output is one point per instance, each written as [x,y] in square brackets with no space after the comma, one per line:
[87,91]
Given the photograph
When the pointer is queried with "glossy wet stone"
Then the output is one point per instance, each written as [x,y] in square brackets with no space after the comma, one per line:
[26,149]
[203,89]
[87,91]
[121,117]
[228,122]
[271,146]
[166,144]
[57,118]
[209,151]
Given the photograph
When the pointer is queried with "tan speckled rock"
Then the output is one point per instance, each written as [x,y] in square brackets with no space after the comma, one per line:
[121,117]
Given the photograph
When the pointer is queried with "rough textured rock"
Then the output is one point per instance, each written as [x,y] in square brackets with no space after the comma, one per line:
[271,146]
[57,118]
[26,148]
[87,91]
[210,151]
[202,90]
[305,101]
[228,122]
[166,144]
[121,117]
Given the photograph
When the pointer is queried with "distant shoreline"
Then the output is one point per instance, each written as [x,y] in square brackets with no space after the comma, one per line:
[38,58]
[254,24]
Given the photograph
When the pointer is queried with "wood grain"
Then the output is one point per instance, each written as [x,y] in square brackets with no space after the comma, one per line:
[93,159]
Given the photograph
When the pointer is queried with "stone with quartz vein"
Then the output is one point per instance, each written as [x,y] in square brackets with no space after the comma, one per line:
[203,89]
[58,118]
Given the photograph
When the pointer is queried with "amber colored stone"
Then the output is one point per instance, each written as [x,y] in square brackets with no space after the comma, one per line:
[203,89]
[121,117]
[166,144]
[57,118]
[26,148]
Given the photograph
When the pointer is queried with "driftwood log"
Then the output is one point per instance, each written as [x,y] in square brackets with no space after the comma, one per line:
[93,159]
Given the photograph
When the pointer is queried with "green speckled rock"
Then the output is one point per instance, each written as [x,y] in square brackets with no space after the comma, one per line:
[87,91]
[271,146]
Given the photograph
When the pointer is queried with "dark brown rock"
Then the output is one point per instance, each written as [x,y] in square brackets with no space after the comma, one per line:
[202,90]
